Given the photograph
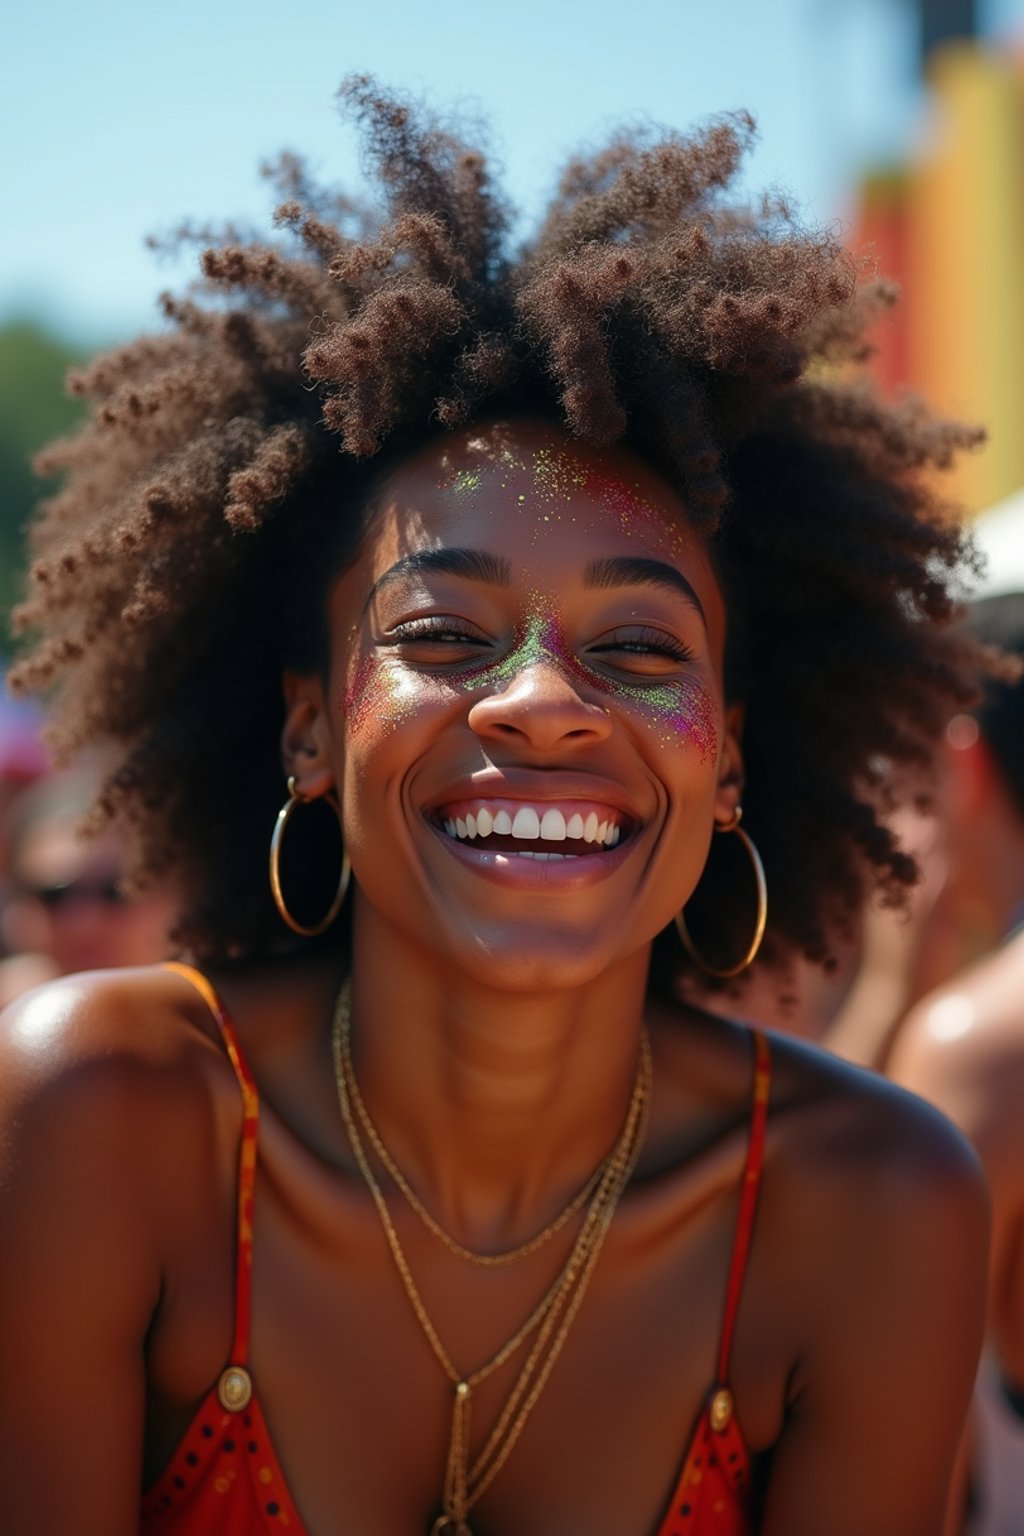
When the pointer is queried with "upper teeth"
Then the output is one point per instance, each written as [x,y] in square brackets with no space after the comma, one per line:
[529,824]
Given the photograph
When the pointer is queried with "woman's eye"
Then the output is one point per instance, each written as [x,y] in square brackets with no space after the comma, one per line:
[434,632]
[651,646]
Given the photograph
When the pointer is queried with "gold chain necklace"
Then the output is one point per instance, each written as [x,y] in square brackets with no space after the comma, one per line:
[465,1483]
[470,1255]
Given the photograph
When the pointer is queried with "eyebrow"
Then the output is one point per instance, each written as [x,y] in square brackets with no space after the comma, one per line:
[470,564]
[635,571]
[496,571]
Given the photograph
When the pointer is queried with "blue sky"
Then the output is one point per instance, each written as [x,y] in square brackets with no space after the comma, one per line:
[122,118]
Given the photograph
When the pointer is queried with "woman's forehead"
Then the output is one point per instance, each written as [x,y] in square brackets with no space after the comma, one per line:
[524,489]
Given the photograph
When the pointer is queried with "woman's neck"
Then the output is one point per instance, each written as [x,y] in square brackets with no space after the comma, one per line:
[496,1104]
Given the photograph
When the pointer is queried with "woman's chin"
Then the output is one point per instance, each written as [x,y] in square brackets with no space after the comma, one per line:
[533,959]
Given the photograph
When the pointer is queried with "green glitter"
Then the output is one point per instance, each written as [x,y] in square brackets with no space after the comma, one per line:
[677,709]
[533,647]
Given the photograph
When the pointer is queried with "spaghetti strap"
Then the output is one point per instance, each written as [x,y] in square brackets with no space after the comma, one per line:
[246,1162]
[748,1198]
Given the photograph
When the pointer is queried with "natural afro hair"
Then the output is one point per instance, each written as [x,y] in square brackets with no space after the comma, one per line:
[226,463]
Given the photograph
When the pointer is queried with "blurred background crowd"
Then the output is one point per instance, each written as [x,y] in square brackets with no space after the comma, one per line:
[901,120]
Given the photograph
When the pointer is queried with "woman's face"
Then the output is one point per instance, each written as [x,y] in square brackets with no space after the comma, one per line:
[524,710]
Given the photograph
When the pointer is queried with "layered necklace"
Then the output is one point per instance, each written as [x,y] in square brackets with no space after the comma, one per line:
[465,1479]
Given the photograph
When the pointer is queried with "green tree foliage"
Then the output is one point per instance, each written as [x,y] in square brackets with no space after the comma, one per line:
[33,409]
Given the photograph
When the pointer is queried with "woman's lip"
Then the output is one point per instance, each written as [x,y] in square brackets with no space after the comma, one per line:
[517,870]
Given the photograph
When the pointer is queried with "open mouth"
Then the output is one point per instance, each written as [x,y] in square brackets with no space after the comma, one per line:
[569,830]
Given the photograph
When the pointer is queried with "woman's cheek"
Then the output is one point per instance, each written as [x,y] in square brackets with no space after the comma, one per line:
[382,694]
[677,711]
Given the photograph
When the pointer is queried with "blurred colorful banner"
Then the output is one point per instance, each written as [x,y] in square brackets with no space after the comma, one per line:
[948,225]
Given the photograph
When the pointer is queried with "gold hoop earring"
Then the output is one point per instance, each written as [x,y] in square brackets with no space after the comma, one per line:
[762,908]
[284,815]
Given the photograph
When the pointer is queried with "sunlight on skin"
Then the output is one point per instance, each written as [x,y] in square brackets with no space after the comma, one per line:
[951,1017]
[38,1022]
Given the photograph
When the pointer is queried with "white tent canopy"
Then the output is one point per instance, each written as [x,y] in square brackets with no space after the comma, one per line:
[1000,533]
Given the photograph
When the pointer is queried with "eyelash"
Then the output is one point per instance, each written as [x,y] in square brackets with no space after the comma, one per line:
[644,641]
[436,627]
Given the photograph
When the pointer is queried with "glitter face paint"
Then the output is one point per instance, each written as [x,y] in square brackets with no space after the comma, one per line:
[381,688]
[559,485]
[558,478]
[366,693]
[679,707]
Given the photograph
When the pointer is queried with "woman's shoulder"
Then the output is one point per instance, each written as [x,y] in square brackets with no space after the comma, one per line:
[877,1177]
[844,1146]
[827,1118]
[146,1015]
[851,1161]
[109,1052]
[839,1121]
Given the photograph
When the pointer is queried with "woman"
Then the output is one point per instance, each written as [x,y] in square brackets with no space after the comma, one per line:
[525,1245]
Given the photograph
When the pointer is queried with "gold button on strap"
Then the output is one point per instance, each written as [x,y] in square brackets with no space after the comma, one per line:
[235,1389]
[720,1411]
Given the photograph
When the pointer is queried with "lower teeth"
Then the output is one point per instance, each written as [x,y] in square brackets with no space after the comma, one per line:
[522,853]
[526,854]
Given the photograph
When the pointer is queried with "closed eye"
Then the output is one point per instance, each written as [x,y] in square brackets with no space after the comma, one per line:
[436,639]
[643,642]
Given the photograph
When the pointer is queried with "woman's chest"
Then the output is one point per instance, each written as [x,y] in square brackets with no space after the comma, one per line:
[590,1419]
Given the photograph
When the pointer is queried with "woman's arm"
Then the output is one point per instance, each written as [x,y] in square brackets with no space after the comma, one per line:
[78,1278]
[895,1319]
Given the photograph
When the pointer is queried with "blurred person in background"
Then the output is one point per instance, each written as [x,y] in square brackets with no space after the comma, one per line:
[961,1044]
[966,840]
[64,908]
[22,756]
[933,996]
[22,761]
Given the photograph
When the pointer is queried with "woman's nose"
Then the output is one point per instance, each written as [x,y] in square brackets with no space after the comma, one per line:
[541,707]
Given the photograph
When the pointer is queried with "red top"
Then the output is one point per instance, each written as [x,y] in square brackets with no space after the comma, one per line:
[224,1478]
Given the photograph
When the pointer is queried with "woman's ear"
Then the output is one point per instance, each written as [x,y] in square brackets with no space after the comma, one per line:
[305,739]
[729,793]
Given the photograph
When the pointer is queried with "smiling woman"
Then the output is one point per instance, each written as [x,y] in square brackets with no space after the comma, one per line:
[415,1201]
[526,663]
